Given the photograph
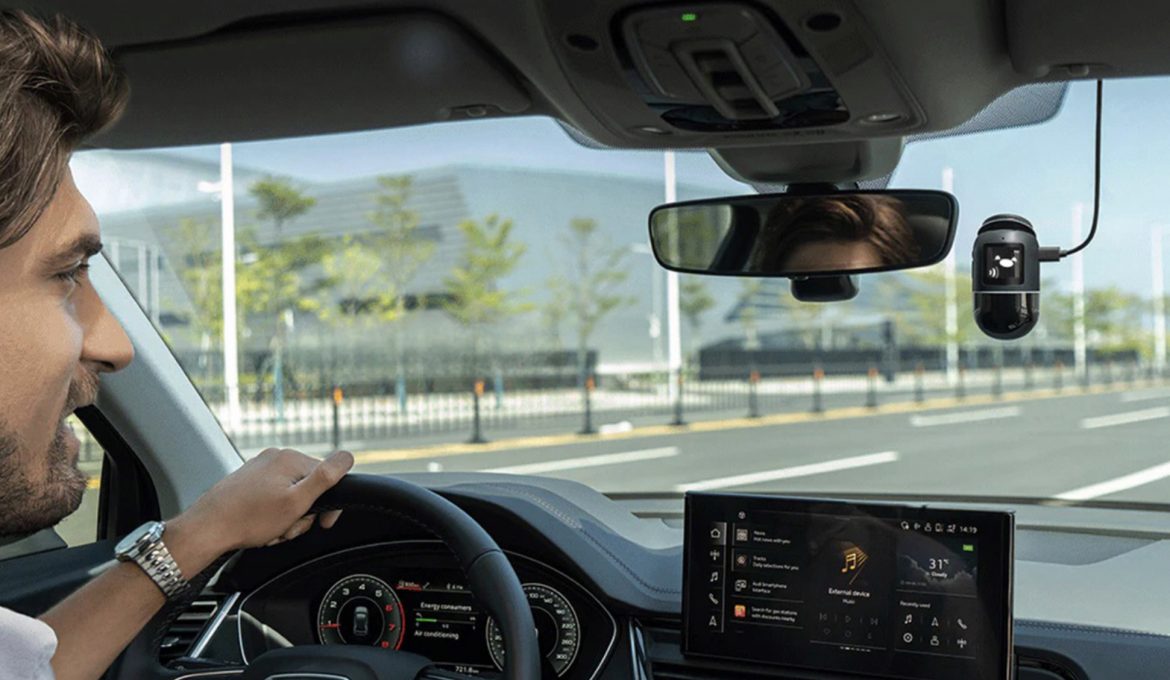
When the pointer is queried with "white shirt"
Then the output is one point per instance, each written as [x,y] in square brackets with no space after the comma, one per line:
[26,647]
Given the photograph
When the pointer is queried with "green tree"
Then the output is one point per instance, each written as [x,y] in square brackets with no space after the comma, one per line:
[591,288]
[404,249]
[279,201]
[749,290]
[196,245]
[694,301]
[917,302]
[474,298]
[1113,318]
[276,284]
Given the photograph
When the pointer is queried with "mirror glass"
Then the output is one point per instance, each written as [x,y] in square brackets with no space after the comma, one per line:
[805,235]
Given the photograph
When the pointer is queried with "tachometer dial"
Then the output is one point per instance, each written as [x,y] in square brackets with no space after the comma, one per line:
[361,610]
[557,628]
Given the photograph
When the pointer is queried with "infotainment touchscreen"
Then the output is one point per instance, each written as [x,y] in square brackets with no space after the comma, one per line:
[914,593]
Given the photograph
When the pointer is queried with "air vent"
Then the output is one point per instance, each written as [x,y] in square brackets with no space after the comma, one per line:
[184,631]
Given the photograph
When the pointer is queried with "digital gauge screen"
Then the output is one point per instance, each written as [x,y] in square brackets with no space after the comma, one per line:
[912,593]
[435,615]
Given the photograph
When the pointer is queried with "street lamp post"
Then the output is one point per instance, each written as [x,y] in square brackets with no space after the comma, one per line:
[673,325]
[227,213]
[952,292]
[1080,345]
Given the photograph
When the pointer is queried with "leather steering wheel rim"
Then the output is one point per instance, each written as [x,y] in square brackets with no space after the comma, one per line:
[490,575]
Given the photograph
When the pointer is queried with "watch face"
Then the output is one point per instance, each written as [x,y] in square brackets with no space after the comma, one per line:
[145,534]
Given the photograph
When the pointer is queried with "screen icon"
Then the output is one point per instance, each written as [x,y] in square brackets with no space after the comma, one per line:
[740,585]
[714,598]
[905,525]
[741,535]
[907,637]
[740,611]
[960,623]
[715,577]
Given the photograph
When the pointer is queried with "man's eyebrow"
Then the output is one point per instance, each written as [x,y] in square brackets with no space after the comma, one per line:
[84,246]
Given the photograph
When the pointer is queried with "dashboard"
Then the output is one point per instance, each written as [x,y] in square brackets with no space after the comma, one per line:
[1087,600]
[411,596]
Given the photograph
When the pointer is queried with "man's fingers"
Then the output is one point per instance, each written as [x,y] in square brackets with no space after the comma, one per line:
[327,473]
[328,519]
[299,527]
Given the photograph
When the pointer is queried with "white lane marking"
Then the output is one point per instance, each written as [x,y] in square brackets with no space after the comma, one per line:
[964,416]
[1125,418]
[1115,485]
[790,472]
[588,461]
[1145,395]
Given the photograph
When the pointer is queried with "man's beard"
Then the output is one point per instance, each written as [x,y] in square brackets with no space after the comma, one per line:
[24,509]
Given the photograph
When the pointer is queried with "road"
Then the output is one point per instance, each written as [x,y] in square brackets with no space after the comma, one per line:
[1108,444]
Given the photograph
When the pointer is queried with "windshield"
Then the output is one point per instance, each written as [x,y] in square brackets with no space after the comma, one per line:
[481,296]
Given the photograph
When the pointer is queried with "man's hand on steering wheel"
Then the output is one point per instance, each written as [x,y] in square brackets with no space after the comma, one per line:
[264,502]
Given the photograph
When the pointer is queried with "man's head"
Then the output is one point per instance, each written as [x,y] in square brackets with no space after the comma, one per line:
[835,233]
[57,88]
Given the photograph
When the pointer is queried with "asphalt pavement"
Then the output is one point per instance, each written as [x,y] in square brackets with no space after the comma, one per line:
[1109,443]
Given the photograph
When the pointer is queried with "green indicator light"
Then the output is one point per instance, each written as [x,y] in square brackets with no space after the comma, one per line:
[690,16]
[422,619]
[968,547]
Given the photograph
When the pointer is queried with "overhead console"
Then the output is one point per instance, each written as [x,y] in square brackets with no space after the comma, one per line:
[718,74]
[890,591]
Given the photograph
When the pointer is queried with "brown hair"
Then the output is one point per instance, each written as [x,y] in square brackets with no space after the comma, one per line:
[58,87]
[878,220]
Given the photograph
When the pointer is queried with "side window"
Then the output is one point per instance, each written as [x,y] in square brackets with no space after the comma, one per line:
[81,527]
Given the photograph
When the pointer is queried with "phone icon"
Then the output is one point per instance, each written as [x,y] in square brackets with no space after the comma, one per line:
[714,600]
[961,624]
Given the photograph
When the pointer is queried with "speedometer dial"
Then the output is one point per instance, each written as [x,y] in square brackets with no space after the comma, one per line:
[557,628]
[361,610]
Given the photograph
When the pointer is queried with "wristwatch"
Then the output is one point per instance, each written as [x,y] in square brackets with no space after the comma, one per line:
[145,547]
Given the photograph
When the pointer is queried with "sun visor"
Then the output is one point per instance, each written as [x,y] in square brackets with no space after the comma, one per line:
[282,81]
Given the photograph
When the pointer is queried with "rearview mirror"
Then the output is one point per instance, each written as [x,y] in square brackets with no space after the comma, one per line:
[851,232]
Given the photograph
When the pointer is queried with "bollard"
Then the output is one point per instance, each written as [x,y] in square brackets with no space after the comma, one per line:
[1058,376]
[588,428]
[678,402]
[919,388]
[476,426]
[1028,367]
[961,385]
[753,396]
[818,375]
[871,387]
[338,395]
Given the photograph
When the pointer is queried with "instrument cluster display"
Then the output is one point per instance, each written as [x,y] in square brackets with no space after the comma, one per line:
[416,601]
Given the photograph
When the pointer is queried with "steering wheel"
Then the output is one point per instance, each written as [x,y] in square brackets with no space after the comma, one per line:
[490,577]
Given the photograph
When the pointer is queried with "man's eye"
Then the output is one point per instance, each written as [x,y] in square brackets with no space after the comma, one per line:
[74,274]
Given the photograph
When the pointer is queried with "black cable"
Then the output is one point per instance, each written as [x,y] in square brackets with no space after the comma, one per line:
[1096,182]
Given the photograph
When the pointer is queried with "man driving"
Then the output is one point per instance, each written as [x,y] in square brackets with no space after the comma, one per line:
[58,87]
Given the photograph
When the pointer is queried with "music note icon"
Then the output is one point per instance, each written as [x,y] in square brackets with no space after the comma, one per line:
[855,558]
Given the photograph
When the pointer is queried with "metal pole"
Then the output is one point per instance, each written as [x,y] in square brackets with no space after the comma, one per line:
[231,367]
[952,302]
[1159,291]
[1078,268]
[337,397]
[588,428]
[476,426]
[673,327]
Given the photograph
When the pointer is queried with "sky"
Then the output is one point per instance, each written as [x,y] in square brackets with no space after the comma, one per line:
[1038,172]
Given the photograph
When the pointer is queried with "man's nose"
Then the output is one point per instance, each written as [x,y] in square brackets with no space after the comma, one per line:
[105,345]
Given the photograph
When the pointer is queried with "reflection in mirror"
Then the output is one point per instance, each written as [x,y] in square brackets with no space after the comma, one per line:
[790,235]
